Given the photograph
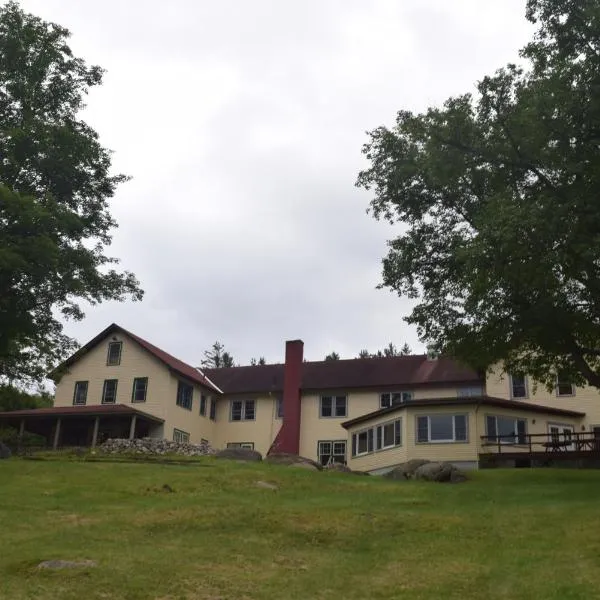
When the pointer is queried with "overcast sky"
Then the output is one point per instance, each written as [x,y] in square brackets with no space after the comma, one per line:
[241,123]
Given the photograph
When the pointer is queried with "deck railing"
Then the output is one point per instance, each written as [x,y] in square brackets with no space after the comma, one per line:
[587,441]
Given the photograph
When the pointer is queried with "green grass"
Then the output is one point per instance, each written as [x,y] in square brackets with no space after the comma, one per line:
[520,534]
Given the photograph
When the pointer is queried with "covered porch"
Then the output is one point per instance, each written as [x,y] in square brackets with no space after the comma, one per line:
[83,426]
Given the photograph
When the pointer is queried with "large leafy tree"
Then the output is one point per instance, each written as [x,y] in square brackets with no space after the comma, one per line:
[55,183]
[499,197]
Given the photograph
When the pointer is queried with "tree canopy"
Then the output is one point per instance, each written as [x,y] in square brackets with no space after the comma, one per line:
[332,356]
[55,183]
[498,193]
[217,357]
[389,350]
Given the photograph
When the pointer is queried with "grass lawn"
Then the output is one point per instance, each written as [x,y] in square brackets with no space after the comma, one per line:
[518,534]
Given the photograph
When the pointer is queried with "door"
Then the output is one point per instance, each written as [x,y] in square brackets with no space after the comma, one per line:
[562,436]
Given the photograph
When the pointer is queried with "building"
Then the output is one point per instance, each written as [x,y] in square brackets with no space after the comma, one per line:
[370,413]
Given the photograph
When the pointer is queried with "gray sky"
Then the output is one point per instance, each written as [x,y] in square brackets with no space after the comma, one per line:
[241,123]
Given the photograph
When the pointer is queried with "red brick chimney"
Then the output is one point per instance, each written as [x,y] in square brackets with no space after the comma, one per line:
[288,438]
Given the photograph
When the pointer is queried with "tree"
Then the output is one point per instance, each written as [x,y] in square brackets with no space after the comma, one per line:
[55,183]
[13,398]
[217,357]
[260,361]
[499,193]
[389,350]
[332,356]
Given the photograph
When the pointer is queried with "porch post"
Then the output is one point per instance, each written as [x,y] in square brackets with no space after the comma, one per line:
[56,434]
[95,433]
[22,428]
[132,427]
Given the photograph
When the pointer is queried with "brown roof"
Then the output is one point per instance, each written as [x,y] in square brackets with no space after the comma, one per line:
[170,361]
[80,411]
[400,371]
[475,401]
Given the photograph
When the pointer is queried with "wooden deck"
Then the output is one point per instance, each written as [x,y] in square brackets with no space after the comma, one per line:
[540,447]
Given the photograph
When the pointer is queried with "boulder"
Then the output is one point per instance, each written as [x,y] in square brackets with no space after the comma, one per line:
[442,472]
[406,470]
[283,458]
[304,465]
[67,564]
[154,446]
[5,451]
[266,485]
[338,467]
[244,454]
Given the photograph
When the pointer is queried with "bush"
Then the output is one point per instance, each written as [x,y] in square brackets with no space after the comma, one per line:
[11,438]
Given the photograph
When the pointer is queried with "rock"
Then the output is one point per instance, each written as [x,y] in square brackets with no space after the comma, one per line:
[266,485]
[304,465]
[406,470]
[4,451]
[154,446]
[283,458]
[337,467]
[239,454]
[442,472]
[67,564]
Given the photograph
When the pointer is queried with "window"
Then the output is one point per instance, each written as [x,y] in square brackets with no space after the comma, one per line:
[441,428]
[471,391]
[181,437]
[518,386]
[242,410]
[333,406]
[248,445]
[140,388]
[109,391]
[394,398]
[506,430]
[332,451]
[80,392]
[114,353]
[203,405]
[185,395]
[279,412]
[563,386]
[213,409]
[381,437]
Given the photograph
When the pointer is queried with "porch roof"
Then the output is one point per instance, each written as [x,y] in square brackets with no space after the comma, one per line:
[99,410]
[469,401]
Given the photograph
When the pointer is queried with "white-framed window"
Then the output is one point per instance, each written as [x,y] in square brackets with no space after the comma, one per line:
[113,357]
[80,392]
[440,428]
[563,386]
[388,399]
[279,407]
[518,385]
[380,437]
[242,410]
[332,451]
[506,430]
[140,389]
[202,405]
[248,445]
[109,391]
[181,437]
[470,391]
[185,395]
[333,406]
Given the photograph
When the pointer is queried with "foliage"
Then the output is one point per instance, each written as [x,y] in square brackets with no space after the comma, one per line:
[321,535]
[389,350]
[12,439]
[332,356]
[55,183]
[498,194]
[260,361]
[217,357]
[13,398]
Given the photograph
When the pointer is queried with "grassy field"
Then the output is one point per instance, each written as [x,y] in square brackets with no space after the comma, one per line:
[516,534]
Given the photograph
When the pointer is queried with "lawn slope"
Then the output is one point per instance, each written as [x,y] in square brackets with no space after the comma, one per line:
[521,534]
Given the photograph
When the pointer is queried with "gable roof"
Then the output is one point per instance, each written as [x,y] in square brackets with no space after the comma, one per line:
[176,365]
[387,372]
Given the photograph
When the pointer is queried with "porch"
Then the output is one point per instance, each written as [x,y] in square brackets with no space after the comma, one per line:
[83,426]
[541,448]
